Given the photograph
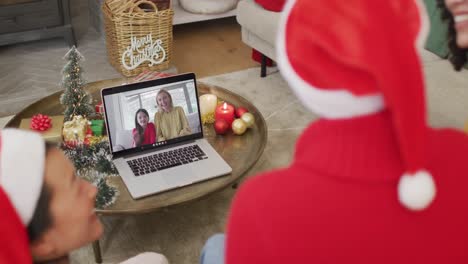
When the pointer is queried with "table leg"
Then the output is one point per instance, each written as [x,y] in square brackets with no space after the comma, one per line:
[97,251]
[263,66]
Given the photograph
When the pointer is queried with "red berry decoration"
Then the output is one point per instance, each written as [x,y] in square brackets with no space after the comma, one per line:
[40,122]
[240,111]
[221,126]
[71,143]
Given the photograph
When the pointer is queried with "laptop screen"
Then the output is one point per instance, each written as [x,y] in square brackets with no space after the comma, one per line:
[152,114]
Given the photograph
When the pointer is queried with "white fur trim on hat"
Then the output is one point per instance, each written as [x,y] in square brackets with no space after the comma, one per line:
[332,104]
[416,191]
[22,163]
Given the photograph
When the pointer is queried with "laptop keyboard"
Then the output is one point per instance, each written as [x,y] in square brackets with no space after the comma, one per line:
[166,160]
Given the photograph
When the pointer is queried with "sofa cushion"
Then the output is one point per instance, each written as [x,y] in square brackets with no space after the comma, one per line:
[194,122]
[256,19]
[272,5]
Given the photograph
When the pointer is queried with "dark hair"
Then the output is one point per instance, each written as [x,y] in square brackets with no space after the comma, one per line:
[139,128]
[457,55]
[41,220]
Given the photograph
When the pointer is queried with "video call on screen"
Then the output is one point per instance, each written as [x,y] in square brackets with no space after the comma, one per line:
[131,115]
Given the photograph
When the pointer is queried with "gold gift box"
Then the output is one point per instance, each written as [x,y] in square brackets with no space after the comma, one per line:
[53,134]
[75,129]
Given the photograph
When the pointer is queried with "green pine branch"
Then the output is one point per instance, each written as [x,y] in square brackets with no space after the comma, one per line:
[75,99]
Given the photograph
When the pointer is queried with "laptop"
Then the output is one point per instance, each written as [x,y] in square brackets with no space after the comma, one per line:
[153,163]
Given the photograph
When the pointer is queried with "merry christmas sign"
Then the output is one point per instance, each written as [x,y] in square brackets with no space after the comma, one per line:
[143,49]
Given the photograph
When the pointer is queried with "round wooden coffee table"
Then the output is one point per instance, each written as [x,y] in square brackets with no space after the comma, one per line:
[240,152]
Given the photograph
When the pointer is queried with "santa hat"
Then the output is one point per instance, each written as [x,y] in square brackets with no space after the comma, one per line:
[345,60]
[22,163]
[14,245]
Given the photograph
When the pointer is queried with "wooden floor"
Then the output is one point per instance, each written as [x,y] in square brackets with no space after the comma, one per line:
[210,48]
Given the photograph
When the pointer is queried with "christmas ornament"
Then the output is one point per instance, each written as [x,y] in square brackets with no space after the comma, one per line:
[53,134]
[75,130]
[249,119]
[40,122]
[99,108]
[225,111]
[239,127]
[221,127]
[97,126]
[95,140]
[89,132]
[240,111]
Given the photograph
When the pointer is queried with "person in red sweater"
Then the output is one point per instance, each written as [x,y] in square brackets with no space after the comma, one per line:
[144,132]
[370,182]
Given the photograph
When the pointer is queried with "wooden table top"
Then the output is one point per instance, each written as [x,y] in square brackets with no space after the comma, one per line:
[240,152]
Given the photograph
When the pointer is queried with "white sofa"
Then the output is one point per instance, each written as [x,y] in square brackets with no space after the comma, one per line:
[124,138]
[259,29]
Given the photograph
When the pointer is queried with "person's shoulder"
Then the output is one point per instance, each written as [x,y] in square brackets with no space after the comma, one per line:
[262,186]
[448,147]
[448,140]
[180,111]
[151,124]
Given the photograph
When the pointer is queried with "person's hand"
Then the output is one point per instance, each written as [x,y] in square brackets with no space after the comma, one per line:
[137,138]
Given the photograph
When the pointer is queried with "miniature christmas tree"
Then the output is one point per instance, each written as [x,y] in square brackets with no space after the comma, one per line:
[74,98]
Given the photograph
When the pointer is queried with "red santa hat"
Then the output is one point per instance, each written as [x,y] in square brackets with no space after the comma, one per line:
[22,163]
[14,245]
[355,58]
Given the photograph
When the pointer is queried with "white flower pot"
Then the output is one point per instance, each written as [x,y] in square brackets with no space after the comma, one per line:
[208,6]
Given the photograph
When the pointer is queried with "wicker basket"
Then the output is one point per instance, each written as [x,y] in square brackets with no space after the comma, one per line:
[138,36]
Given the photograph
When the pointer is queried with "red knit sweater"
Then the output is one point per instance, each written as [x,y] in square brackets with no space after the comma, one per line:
[337,202]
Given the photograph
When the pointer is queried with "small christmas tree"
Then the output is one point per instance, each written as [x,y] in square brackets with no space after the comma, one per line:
[74,98]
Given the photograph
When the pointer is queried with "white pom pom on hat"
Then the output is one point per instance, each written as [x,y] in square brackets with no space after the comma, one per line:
[342,65]
[416,191]
[22,164]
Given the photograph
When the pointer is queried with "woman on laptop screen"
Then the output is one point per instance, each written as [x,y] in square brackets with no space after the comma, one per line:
[144,132]
[170,121]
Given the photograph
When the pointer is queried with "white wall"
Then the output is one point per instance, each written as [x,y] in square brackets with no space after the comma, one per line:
[113,114]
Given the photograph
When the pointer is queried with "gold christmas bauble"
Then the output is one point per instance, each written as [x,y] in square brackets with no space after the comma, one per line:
[249,119]
[239,126]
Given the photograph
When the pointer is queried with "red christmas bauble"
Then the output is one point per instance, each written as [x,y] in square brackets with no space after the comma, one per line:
[221,126]
[240,111]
